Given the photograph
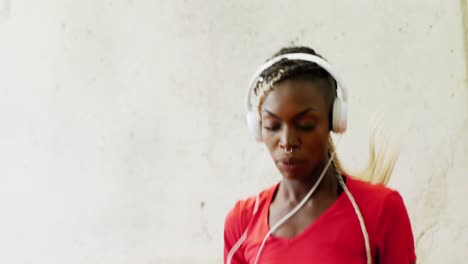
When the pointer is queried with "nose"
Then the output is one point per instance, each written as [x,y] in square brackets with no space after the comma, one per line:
[289,138]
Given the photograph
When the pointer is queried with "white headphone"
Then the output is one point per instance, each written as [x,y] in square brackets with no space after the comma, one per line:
[340,106]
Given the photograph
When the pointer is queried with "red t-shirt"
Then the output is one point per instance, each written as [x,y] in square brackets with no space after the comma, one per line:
[333,238]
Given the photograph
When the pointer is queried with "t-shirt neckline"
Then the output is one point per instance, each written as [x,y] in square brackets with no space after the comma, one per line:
[312,225]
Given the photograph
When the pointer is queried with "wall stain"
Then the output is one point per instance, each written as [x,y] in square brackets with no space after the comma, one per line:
[464,11]
[5,7]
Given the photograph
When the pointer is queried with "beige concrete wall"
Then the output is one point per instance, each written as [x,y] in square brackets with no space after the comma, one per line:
[123,137]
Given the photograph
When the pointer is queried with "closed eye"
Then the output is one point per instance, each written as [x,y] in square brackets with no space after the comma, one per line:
[308,127]
[272,128]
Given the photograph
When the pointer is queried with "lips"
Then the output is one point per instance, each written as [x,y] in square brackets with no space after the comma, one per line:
[290,164]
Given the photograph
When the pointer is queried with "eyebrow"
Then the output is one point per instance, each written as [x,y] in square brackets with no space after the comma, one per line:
[303,112]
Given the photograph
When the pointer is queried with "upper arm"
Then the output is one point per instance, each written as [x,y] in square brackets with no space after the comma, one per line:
[395,236]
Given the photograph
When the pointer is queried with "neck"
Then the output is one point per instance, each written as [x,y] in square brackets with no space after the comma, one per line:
[295,190]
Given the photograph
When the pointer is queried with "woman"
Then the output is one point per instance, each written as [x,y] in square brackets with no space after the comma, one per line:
[317,213]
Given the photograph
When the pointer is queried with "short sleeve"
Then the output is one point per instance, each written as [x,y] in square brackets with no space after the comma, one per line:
[395,236]
[232,233]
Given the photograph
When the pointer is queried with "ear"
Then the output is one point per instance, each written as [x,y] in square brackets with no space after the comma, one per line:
[254,125]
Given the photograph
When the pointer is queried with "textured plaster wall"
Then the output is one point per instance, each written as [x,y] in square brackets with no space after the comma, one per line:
[122,133]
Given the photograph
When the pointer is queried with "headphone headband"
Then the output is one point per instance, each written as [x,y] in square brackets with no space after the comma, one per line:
[296,56]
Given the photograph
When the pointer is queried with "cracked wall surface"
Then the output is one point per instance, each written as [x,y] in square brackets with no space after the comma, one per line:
[123,136]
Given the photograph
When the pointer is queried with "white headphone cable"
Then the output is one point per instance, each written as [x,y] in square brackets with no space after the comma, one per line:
[298,207]
[306,198]
[361,219]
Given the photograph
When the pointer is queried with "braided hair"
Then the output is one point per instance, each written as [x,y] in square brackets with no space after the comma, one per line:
[293,70]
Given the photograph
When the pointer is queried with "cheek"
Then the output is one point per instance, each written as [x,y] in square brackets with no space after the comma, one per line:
[270,142]
[317,144]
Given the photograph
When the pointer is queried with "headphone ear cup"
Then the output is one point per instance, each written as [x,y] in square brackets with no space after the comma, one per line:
[340,116]
[254,125]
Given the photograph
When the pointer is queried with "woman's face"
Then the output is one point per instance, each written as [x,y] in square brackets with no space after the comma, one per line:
[295,115]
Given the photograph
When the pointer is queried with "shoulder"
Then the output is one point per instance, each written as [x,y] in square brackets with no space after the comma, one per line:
[364,188]
[372,195]
[376,200]
[387,216]
[240,214]
[237,221]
